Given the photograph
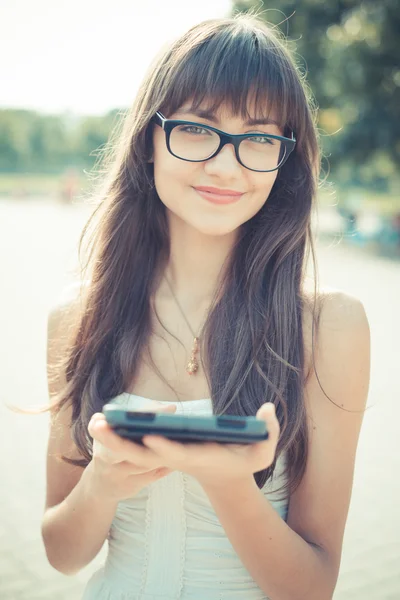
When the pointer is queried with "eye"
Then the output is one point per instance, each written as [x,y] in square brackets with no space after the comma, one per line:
[262,139]
[195,129]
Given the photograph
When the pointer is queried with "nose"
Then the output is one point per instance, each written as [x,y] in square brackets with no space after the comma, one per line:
[225,161]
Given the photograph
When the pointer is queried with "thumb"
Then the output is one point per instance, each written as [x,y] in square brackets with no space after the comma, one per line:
[266,411]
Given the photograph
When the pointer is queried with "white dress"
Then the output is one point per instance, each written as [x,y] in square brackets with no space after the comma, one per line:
[167,542]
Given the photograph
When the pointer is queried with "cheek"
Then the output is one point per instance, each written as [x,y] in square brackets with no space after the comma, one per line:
[172,176]
[166,166]
[261,187]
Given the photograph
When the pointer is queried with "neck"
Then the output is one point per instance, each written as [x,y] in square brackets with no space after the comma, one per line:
[195,265]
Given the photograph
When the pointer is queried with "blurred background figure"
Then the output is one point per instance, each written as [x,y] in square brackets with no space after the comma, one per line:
[69,76]
[69,185]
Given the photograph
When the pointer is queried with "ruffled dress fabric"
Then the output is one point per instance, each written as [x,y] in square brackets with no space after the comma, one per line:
[167,542]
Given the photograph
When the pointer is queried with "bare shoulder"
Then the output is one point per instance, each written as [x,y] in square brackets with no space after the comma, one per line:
[68,304]
[330,317]
[63,317]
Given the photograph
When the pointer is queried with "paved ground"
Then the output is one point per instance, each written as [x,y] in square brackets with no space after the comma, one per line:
[37,246]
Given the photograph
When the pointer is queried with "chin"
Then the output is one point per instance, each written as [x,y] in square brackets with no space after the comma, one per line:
[207,225]
[216,230]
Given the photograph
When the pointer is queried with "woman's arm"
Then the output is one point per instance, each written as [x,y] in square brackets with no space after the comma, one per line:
[75,529]
[76,522]
[281,562]
[299,559]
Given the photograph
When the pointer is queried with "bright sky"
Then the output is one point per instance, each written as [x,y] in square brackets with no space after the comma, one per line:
[87,56]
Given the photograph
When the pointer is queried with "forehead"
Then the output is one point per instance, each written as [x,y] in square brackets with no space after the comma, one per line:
[226,109]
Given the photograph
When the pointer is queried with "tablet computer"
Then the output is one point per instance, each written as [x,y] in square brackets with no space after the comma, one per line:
[183,428]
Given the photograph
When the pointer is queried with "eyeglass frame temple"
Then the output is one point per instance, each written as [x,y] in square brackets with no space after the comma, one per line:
[225,138]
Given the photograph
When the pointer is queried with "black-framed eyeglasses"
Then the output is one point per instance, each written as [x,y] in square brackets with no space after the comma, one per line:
[196,142]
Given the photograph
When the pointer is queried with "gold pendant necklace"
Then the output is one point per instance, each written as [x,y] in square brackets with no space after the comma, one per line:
[193,365]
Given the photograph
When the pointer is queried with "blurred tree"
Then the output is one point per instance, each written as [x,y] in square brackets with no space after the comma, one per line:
[31,142]
[350,52]
[14,143]
[93,134]
[49,144]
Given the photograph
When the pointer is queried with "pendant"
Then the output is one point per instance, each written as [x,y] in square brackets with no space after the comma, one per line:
[193,364]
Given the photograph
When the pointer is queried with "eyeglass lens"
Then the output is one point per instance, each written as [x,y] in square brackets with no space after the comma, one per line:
[192,142]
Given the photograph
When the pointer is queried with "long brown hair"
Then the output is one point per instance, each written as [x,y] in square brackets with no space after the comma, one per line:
[253,349]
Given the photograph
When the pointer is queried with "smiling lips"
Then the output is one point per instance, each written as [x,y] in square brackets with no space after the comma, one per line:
[218,195]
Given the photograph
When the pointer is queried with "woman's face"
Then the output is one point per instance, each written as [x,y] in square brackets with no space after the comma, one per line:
[176,180]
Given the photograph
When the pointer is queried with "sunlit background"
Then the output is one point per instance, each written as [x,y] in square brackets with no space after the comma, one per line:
[68,72]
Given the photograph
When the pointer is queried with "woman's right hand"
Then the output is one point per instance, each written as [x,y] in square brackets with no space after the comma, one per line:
[112,477]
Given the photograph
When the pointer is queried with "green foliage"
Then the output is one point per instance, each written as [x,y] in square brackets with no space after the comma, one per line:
[350,51]
[36,143]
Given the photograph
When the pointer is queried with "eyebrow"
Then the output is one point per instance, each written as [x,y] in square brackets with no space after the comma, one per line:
[205,114]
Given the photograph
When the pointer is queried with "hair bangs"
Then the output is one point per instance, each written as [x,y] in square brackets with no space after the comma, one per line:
[239,70]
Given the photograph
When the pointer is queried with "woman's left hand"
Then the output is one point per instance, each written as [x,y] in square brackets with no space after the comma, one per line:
[212,463]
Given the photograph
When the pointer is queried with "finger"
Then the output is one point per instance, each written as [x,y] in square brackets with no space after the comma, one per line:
[236,446]
[102,432]
[97,417]
[141,455]
[267,408]
[267,413]
[163,447]
[94,425]
[131,451]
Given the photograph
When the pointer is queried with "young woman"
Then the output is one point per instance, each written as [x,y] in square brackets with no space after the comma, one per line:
[195,300]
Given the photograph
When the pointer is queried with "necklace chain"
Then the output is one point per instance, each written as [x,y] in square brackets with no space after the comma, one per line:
[193,364]
[180,308]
